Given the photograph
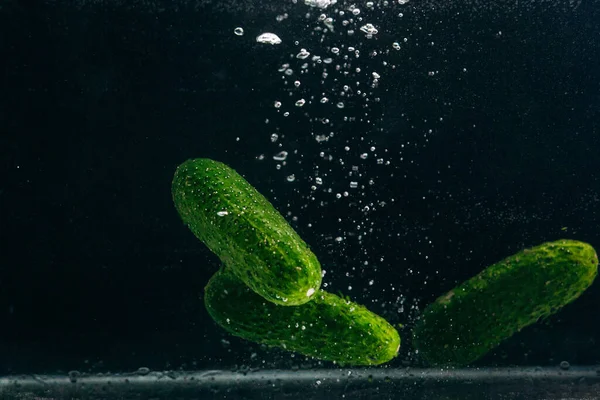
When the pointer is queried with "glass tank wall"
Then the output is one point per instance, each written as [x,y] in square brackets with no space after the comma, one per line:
[299,199]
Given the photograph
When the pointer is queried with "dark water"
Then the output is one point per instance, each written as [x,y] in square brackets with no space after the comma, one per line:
[100,101]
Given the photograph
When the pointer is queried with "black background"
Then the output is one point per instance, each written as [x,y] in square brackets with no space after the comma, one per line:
[100,101]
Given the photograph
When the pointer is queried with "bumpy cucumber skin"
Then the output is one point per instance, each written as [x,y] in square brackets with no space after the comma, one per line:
[468,321]
[328,327]
[261,248]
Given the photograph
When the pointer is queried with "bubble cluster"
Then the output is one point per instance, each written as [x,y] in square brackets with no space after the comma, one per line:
[333,73]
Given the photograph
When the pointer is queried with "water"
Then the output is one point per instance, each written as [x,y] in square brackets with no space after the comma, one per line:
[411,145]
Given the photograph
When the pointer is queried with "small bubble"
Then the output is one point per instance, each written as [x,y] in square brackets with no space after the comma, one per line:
[281,156]
[238,31]
[369,29]
[302,54]
[319,3]
[268,38]
[291,178]
[274,137]
[277,104]
[222,213]
[353,185]
[300,103]
[565,365]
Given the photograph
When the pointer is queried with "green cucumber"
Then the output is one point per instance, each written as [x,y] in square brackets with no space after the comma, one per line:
[245,231]
[328,327]
[468,321]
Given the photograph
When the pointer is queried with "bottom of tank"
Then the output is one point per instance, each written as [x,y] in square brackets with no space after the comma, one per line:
[375,383]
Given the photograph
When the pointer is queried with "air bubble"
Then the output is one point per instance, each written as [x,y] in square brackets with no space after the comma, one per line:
[281,156]
[268,38]
[302,54]
[369,29]
[319,3]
